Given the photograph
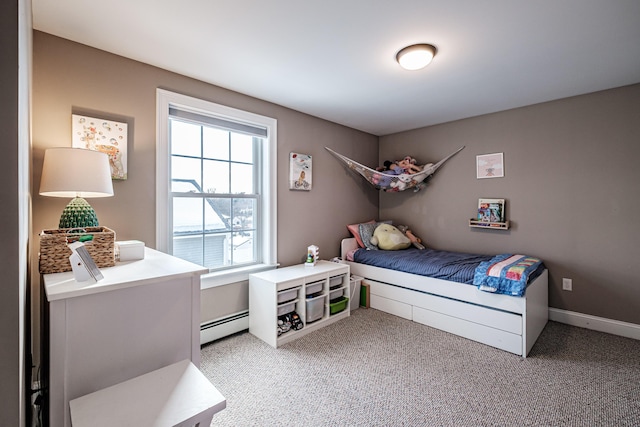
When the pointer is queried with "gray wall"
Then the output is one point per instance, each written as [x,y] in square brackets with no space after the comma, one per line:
[572,188]
[561,158]
[73,77]
[15,32]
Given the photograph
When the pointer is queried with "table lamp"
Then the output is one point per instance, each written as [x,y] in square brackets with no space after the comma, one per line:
[77,173]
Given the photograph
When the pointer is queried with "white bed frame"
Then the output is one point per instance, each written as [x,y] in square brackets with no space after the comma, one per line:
[506,322]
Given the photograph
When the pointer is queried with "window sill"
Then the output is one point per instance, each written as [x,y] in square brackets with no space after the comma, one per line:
[226,277]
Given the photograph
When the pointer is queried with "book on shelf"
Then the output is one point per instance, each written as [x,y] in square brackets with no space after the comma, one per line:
[491,210]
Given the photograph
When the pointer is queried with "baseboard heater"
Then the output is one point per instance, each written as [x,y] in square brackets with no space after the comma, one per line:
[224,326]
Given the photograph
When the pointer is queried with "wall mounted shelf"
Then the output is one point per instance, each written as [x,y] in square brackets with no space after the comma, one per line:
[474,223]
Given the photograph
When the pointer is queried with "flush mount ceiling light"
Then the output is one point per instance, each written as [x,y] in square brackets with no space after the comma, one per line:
[416,56]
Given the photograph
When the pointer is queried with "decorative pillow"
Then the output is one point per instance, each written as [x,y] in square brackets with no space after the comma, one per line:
[366,233]
[355,230]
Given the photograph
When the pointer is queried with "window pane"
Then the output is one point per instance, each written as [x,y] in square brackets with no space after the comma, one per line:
[241,148]
[187,215]
[241,178]
[217,214]
[185,139]
[216,176]
[216,253]
[243,248]
[185,175]
[189,248]
[216,144]
[243,215]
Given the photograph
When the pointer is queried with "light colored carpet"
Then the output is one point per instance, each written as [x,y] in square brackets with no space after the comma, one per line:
[375,369]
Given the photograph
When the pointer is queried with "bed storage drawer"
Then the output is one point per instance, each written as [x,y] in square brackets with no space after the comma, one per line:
[497,319]
[390,306]
[383,298]
[474,331]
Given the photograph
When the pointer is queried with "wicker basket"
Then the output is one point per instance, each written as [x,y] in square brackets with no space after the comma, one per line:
[54,252]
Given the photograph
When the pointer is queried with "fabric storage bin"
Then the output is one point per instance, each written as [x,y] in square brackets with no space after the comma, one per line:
[354,284]
[314,287]
[287,295]
[336,294]
[315,309]
[286,308]
[335,281]
[338,306]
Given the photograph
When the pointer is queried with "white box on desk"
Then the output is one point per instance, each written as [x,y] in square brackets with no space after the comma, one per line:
[130,250]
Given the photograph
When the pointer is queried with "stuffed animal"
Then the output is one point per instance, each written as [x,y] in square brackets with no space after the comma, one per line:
[402,182]
[389,238]
[384,179]
[409,165]
[406,180]
[415,240]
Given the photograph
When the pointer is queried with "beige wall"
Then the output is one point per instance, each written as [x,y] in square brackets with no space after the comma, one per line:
[69,77]
[569,176]
[72,77]
[572,188]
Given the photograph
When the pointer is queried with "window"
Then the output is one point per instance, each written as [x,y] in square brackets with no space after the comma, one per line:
[215,185]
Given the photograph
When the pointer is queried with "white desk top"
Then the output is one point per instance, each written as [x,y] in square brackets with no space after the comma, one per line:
[300,270]
[155,265]
[166,397]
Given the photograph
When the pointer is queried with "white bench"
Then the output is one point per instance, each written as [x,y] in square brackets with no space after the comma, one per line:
[176,395]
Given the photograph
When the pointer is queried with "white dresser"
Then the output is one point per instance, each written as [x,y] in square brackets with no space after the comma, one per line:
[143,316]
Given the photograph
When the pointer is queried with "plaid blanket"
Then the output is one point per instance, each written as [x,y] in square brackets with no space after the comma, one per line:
[507,274]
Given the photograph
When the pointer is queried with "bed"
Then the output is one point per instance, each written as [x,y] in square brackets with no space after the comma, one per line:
[510,323]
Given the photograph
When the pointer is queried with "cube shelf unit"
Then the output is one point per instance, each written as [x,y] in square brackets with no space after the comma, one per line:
[306,290]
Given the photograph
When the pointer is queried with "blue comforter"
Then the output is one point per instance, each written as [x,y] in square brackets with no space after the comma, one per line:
[472,269]
[507,274]
[452,266]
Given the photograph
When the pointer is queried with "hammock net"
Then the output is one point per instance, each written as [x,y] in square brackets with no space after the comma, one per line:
[387,181]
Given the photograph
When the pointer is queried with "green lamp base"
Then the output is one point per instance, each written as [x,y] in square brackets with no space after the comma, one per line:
[78,214]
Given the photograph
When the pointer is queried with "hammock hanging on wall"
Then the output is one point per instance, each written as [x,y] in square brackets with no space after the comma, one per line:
[391,182]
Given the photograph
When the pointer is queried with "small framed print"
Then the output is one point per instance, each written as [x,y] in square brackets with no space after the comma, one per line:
[490,166]
[104,135]
[300,169]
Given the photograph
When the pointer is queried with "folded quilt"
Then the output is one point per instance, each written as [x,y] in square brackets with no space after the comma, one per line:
[506,274]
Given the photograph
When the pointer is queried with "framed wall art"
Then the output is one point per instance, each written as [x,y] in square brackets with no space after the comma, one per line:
[490,166]
[300,170]
[107,136]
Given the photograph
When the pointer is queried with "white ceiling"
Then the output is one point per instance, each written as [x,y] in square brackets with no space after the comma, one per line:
[335,59]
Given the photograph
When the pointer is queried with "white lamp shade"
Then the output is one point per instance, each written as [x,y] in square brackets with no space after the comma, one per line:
[75,172]
[416,56]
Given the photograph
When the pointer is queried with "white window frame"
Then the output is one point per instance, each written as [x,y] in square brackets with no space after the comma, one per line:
[268,199]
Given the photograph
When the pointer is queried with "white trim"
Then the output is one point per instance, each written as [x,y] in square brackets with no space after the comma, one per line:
[601,324]
[234,275]
[222,327]
[163,99]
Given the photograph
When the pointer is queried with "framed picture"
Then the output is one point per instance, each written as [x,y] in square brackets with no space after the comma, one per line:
[300,169]
[491,210]
[490,166]
[107,136]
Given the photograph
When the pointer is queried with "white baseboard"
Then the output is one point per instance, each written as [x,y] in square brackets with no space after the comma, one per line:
[615,327]
[220,328]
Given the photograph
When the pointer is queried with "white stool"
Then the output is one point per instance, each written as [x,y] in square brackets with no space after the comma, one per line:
[176,395]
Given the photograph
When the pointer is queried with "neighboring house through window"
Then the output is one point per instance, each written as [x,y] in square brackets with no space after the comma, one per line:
[216,193]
